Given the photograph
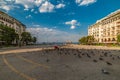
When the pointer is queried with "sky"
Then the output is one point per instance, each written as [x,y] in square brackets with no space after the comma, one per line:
[58,20]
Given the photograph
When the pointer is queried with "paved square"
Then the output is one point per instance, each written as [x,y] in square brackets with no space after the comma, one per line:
[61,64]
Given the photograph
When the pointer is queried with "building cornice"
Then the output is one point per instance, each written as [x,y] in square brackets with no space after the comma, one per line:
[13,19]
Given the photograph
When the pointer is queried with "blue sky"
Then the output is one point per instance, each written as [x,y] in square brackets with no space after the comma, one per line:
[58,20]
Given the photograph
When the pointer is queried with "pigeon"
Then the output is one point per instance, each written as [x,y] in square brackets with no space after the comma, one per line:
[108,63]
[105,54]
[82,53]
[74,54]
[100,58]
[94,60]
[79,56]
[47,60]
[110,55]
[113,58]
[88,56]
[105,71]
[118,57]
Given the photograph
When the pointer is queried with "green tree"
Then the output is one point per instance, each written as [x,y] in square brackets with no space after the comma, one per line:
[34,39]
[87,40]
[83,40]
[26,38]
[118,38]
[90,40]
[7,34]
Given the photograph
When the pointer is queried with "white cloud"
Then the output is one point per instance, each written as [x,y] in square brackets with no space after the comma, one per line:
[2,2]
[26,3]
[77,1]
[30,3]
[85,2]
[43,6]
[35,12]
[11,4]
[72,27]
[51,35]
[72,13]
[36,25]
[8,7]
[29,16]
[46,7]
[38,2]
[32,10]
[73,23]
[26,7]
[5,7]
[60,5]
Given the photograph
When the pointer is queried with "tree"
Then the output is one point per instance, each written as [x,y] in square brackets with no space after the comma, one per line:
[118,38]
[83,40]
[26,38]
[34,39]
[7,34]
[88,40]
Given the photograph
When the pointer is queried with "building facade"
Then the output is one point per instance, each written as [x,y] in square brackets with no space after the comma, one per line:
[11,22]
[106,29]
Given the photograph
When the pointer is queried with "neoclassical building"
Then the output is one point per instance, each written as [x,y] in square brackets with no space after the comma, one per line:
[9,21]
[106,29]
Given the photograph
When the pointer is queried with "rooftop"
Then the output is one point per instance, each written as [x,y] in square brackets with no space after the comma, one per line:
[5,14]
[109,15]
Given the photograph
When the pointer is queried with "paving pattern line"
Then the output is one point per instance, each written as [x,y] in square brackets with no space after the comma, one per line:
[33,67]
[32,62]
[15,70]
[23,50]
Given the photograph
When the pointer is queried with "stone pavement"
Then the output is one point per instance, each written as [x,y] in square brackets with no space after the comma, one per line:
[60,64]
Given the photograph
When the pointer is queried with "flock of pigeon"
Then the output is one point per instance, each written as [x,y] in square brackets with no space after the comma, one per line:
[94,54]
